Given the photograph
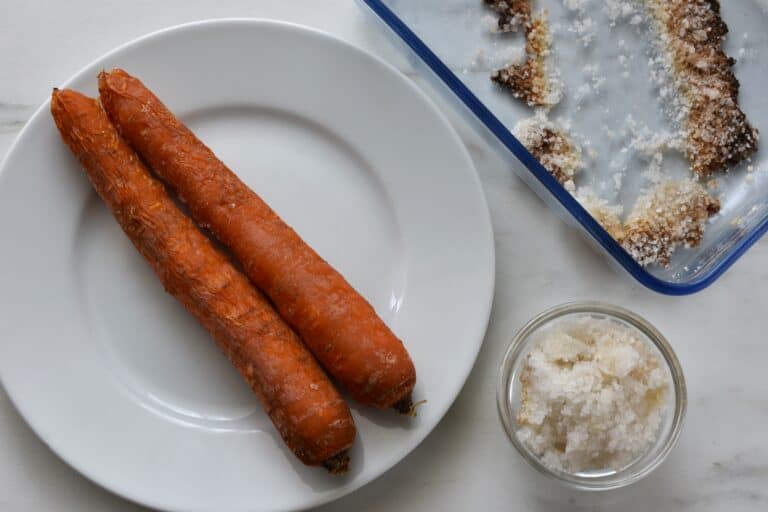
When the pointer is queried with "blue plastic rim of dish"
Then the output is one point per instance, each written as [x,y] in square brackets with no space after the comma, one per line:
[563,197]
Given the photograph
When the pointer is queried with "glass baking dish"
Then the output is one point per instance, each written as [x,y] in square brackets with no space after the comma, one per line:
[453,42]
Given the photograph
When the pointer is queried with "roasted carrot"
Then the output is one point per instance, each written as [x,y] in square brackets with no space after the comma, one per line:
[335,322]
[311,416]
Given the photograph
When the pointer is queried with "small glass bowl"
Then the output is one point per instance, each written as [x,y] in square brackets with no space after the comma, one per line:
[508,396]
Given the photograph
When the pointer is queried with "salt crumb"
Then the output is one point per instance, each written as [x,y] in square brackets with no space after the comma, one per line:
[583,26]
[607,215]
[552,145]
[537,80]
[491,23]
[617,10]
[618,177]
[669,215]
[574,5]
[592,87]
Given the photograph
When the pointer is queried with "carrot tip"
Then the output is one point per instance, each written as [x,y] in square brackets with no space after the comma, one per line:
[338,464]
[407,407]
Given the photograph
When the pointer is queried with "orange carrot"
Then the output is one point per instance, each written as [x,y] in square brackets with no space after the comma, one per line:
[311,416]
[335,322]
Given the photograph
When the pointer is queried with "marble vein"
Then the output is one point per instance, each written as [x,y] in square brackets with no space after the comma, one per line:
[13,116]
[736,468]
[730,496]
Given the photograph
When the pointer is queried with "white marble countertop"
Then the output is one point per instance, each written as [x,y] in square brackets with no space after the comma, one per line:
[721,461]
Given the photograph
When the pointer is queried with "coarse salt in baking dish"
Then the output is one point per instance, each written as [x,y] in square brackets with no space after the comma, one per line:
[626,115]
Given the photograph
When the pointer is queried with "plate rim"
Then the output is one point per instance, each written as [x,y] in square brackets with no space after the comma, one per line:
[489,275]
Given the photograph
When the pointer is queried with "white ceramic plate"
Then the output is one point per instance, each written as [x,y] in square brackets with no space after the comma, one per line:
[122,383]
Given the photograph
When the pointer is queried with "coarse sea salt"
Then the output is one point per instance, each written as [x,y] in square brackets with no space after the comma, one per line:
[593,397]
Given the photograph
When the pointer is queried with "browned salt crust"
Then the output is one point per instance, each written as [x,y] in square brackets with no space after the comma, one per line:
[670,215]
[606,214]
[532,81]
[512,13]
[552,147]
[717,132]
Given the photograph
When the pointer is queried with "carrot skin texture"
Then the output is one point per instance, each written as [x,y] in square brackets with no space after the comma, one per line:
[308,412]
[340,327]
